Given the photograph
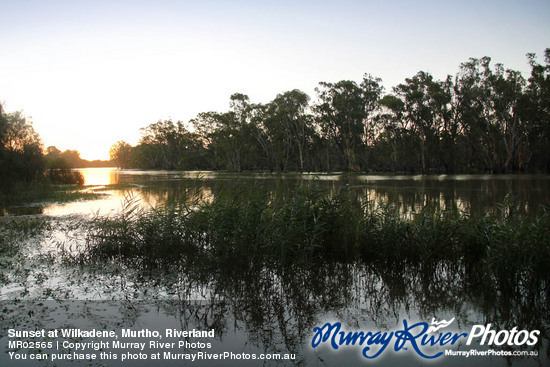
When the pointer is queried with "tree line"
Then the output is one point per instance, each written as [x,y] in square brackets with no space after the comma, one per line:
[483,119]
[24,161]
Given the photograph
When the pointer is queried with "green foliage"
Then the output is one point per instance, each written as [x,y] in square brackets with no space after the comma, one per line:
[20,151]
[344,113]
[537,112]
[56,159]
[25,173]
[64,176]
[244,229]
[288,130]
[163,145]
[121,154]
[484,119]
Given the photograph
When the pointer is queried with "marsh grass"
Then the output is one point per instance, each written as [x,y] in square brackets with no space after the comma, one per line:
[65,195]
[249,228]
[15,235]
[277,260]
[41,193]
[13,232]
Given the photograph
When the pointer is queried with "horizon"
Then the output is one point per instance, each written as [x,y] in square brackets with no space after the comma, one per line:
[89,75]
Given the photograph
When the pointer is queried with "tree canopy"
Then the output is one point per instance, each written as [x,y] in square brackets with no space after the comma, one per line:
[20,150]
[486,118]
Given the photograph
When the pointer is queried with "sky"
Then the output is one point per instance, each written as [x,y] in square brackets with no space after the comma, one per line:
[91,73]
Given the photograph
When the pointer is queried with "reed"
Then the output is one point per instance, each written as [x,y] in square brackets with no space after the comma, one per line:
[251,228]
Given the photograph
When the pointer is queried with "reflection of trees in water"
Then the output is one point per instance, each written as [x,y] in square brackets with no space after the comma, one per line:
[439,265]
[277,307]
[473,197]
[406,197]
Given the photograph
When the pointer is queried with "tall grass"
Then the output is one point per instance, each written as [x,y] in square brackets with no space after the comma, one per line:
[14,236]
[274,256]
[251,228]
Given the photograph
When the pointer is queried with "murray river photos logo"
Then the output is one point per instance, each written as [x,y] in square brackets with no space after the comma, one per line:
[426,340]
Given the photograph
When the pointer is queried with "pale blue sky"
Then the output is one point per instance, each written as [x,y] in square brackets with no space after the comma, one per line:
[93,72]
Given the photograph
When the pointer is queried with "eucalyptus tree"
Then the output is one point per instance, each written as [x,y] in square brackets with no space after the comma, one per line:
[290,127]
[229,136]
[16,132]
[472,109]
[394,129]
[216,131]
[154,143]
[265,159]
[418,111]
[166,144]
[121,153]
[21,157]
[343,112]
[491,103]
[447,127]
[538,112]
[507,98]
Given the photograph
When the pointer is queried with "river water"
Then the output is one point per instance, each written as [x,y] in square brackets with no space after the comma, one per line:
[474,195]
[271,309]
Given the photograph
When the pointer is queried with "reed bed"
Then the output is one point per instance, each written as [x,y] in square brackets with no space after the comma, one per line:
[251,228]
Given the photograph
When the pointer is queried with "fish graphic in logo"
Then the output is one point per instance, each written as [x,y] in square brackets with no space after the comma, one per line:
[436,325]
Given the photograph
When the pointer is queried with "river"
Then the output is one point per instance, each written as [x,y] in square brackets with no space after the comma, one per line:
[466,194]
[270,309]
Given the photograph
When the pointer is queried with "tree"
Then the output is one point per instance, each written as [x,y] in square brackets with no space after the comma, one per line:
[537,112]
[390,118]
[344,110]
[168,145]
[490,109]
[72,157]
[415,93]
[486,118]
[289,127]
[121,154]
[230,136]
[223,137]
[21,156]
[17,132]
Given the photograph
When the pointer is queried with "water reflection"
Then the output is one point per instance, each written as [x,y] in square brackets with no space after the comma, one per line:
[475,195]
[272,309]
[100,176]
